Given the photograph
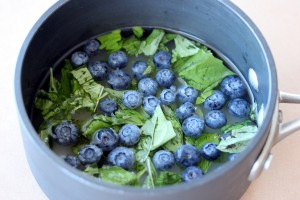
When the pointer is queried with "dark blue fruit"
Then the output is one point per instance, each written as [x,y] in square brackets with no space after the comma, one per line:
[106,139]
[185,110]
[163,160]
[215,119]
[209,151]
[165,78]
[122,157]
[90,154]
[150,103]
[233,87]
[132,99]
[129,134]
[215,101]
[191,173]
[79,58]
[73,161]
[193,126]
[162,59]
[98,70]
[65,133]
[119,80]
[91,47]
[117,60]
[167,96]
[147,86]
[138,69]
[187,155]
[238,107]
[108,106]
[187,94]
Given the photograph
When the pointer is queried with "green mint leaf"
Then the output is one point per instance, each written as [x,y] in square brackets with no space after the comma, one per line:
[234,126]
[205,94]
[65,87]
[168,37]
[90,127]
[138,31]
[150,45]
[111,42]
[167,178]
[150,179]
[117,175]
[132,46]
[253,112]
[54,84]
[204,165]
[92,170]
[204,138]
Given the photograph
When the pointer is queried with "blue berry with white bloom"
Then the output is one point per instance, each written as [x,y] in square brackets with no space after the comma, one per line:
[165,78]
[119,80]
[108,106]
[215,119]
[187,155]
[191,173]
[233,86]
[167,96]
[187,94]
[238,107]
[162,60]
[66,133]
[91,47]
[73,161]
[117,60]
[184,111]
[107,139]
[147,86]
[129,134]
[209,151]
[79,58]
[90,154]
[138,69]
[132,99]
[122,157]
[150,103]
[216,101]
[163,160]
[193,126]
[98,70]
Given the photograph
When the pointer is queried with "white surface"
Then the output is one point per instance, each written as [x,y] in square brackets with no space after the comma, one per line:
[278,20]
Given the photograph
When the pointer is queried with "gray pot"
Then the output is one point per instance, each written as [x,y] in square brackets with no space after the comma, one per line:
[219,24]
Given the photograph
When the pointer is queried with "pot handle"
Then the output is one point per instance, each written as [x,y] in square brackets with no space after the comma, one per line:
[278,132]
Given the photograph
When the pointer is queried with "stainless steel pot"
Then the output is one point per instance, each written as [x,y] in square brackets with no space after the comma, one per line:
[219,24]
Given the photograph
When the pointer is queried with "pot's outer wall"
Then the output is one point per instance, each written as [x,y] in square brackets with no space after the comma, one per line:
[71,22]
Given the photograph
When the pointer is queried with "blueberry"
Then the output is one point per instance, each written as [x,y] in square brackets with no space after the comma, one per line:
[90,154]
[65,133]
[147,86]
[117,60]
[108,106]
[185,110]
[122,157]
[138,69]
[129,134]
[119,79]
[165,78]
[238,107]
[106,139]
[226,135]
[91,47]
[163,160]
[187,94]
[215,101]
[215,119]
[79,58]
[132,99]
[173,88]
[162,59]
[167,96]
[150,103]
[187,155]
[98,70]
[73,161]
[191,173]
[233,87]
[193,126]
[209,151]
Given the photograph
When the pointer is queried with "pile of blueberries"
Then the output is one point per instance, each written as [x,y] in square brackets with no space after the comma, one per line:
[117,147]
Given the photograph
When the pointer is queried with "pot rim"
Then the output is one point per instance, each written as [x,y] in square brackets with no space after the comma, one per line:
[79,176]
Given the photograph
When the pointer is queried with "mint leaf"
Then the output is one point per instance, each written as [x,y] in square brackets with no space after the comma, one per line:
[204,138]
[111,42]
[92,126]
[117,175]
[183,48]
[167,178]
[92,170]
[234,126]
[150,179]
[150,45]
[132,45]
[205,94]
[253,115]
[65,87]
[138,31]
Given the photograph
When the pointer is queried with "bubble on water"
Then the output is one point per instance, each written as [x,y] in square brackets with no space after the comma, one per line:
[253,81]
[260,116]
